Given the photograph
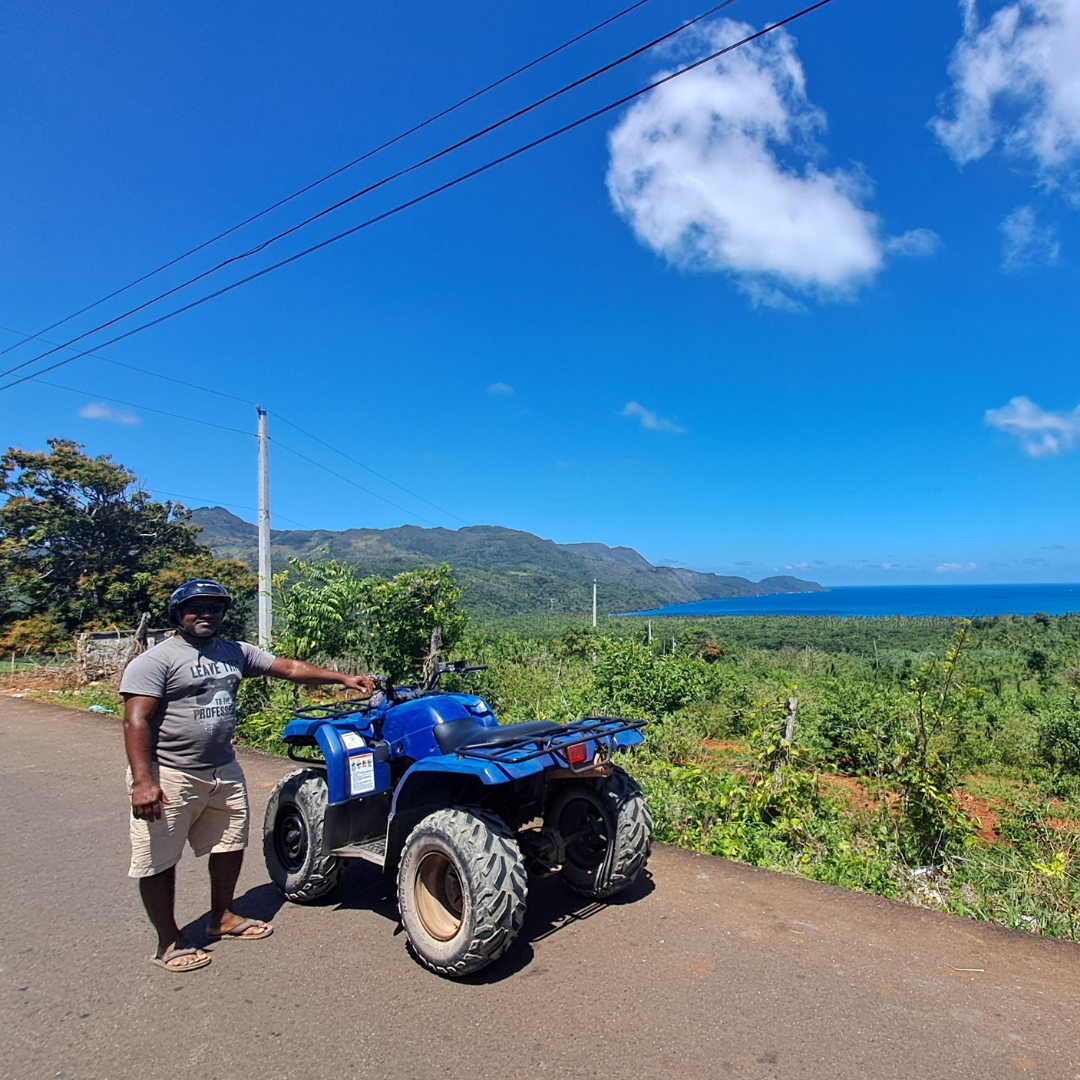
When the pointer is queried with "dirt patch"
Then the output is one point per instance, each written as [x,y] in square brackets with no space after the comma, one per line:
[1063,825]
[856,792]
[722,747]
[38,679]
[984,814]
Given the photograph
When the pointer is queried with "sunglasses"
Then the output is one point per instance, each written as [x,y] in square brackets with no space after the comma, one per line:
[204,609]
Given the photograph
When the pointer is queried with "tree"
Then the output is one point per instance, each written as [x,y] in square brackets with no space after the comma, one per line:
[318,611]
[326,610]
[82,543]
[403,612]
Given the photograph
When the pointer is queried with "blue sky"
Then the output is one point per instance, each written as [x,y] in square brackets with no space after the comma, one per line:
[812,308]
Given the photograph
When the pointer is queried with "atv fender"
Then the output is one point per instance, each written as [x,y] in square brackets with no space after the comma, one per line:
[449,780]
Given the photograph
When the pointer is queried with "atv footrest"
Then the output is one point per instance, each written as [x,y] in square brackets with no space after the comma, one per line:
[372,851]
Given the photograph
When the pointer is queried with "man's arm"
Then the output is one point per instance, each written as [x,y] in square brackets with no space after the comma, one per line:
[146,796]
[309,675]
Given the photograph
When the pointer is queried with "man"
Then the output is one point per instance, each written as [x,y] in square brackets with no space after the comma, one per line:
[185,782]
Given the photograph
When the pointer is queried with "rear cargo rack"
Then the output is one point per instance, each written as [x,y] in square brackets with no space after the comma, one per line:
[590,729]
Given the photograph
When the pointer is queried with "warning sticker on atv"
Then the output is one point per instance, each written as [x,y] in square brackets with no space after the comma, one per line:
[362,774]
[351,741]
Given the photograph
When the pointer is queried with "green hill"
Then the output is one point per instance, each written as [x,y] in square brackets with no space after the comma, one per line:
[502,571]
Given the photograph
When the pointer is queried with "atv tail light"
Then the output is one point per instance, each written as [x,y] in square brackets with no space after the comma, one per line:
[577,754]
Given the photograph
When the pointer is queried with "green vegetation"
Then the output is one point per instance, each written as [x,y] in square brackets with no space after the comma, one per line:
[934,761]
[83,547]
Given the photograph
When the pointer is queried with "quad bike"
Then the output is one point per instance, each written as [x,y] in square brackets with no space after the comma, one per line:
[429,785]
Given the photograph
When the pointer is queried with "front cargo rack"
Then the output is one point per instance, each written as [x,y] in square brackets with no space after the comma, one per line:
[339,710]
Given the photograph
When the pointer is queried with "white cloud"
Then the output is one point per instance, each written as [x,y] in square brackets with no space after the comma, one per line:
[1016,81]
[696,170]
[914,242]
[1041,433]
[649,420]
[500,389]
[98,411]
[955,568]
[1026,242]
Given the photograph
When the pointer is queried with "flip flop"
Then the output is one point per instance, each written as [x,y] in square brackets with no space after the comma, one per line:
[171,954]
[237,932]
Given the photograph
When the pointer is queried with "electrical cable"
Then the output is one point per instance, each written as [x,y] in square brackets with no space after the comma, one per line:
[221,502]
[367,491]
[424,196]
[250,434]
[148,408]
[330,175]
[316,438]
[373,187]
[142,371]
[253,404]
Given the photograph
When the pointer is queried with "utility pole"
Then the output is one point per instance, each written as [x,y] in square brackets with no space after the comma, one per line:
[649,624]
[265,613]
[594,602]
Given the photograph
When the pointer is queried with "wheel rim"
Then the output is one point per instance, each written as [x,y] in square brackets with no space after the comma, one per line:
[585,834]
[438,896]
[291,838]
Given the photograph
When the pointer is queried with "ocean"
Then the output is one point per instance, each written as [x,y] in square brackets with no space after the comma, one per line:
[879,600]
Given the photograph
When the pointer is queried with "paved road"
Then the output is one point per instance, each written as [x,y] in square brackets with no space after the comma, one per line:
[709,969]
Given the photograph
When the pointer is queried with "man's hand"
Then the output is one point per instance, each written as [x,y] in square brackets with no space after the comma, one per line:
[298,671]
[363,683]
[147,800]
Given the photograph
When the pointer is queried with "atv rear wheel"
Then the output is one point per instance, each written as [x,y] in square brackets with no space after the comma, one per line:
[605,829]
[293,837]
[461,890]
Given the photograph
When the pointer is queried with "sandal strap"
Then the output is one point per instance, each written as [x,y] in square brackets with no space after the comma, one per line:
[240,927]
[174,953]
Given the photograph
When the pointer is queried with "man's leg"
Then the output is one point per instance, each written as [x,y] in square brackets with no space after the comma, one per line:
[158,894]
[157,842]
[224,873]
[224,825]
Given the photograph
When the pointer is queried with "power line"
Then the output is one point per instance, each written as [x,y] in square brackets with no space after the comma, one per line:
[361,487]
[240,431]
[132,367]
[373,187]
[221,502]
[330,175]
[316,438]
[243,401]
[428,194]
[145,408]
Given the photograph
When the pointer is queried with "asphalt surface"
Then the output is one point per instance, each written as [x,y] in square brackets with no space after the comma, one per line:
[706,969]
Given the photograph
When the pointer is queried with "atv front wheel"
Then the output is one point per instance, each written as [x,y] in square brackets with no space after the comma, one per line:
[606,831]
[293,837]
[461,890]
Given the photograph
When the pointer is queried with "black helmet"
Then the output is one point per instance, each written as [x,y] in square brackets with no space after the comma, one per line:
[191,589]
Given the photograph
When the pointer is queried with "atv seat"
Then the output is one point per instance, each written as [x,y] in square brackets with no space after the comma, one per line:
[469,734]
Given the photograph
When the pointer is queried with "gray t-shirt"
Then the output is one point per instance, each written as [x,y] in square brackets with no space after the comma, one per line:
[194,723]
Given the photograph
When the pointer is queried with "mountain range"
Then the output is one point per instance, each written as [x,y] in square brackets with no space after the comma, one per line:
[501,571]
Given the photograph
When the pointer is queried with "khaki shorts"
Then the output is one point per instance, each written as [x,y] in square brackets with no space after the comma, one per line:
[208,809]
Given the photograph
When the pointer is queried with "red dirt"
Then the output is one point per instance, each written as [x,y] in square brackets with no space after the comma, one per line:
[722,747]
[984,814]
[855,790]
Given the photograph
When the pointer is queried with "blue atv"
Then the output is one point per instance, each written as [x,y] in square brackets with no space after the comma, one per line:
[429,785]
